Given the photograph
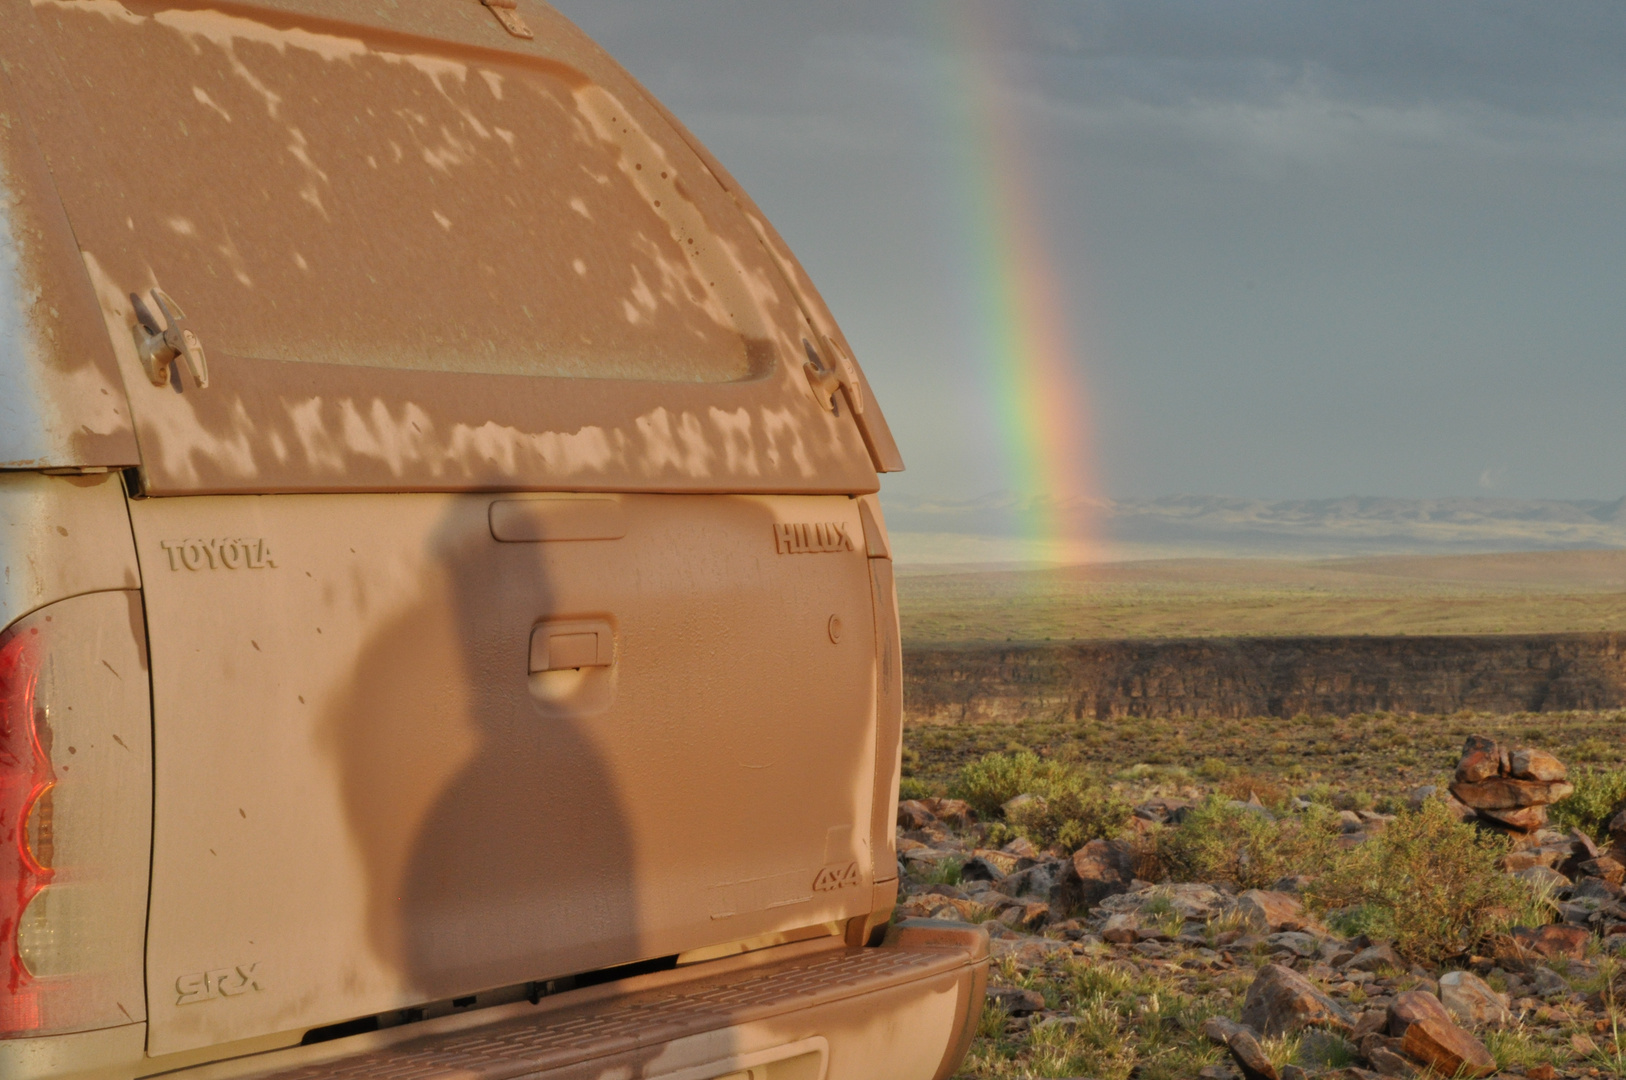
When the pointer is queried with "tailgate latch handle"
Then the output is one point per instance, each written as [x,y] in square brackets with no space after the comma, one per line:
[158,346]
[561,646]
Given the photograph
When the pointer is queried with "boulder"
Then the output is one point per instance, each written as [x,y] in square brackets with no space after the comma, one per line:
[1417,796]
[955,812]
[1281,1001]
[1037,880]
[1531,764]
[981,868]
[1120,929]
[1413,1007]
[1604,867]
[1525,819]
[1021,848]
[1617,827]
[1514,861]
[1447,1049]
[1294,941]
[1542,877]
[912,814]
[1457,808]
[1481,760]
[1370,1022]
[1547,983]
[1471,1000]
[1099,869]
[1218,1029]
[1387,1062]
[1243,1045]
[1505,793]
[1025,916]
[1375,958]
[1268,912]
[1553,941]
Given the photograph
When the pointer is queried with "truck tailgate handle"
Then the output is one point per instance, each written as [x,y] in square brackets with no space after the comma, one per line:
[579,643]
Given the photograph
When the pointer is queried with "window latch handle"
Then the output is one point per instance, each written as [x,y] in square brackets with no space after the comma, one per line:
[159,345]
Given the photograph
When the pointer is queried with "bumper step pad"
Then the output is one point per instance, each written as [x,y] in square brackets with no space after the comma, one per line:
[560,1037]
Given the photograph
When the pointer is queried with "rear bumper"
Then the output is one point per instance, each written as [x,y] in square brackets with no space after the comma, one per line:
[814,1011]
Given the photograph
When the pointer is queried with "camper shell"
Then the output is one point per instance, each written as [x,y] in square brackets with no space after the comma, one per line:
[449,626]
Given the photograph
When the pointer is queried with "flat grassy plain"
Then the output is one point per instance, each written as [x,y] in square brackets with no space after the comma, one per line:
[1518,593]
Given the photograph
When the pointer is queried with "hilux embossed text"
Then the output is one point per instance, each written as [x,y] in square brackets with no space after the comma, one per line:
[811,538]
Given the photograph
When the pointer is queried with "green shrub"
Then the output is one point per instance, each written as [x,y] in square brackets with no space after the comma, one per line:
[1219,841]
[910,788]
[1072,811]
[1428,882]
[1070,807]
[1599,793]
[995,779]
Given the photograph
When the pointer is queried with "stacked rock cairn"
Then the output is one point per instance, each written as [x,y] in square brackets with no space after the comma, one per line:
[1510,789]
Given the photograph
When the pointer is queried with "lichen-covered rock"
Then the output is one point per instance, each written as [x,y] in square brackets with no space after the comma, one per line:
[1471,1000]
[1412,1007]
[1099,869]
[1269,912]
[1447,1049]
[1376,958]
[1525,819]
[1281,1001]
[1481,760]
[1553,941]
[1530,764]
[1506,793]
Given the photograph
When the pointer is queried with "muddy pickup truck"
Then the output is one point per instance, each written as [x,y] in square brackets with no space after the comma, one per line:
[449,624]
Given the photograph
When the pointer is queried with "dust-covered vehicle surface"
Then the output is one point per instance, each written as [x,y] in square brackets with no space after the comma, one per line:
[450,624]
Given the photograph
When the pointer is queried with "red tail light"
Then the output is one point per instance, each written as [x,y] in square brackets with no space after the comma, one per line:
[26,780]
[75,817]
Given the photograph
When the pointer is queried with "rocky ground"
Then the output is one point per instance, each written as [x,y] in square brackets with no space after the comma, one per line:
[1101,974]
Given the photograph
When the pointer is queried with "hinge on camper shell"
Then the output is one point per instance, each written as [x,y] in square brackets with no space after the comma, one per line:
[159,345]
[506,13]
[826,379]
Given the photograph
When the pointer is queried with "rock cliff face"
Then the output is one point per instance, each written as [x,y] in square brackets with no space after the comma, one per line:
[1234,677]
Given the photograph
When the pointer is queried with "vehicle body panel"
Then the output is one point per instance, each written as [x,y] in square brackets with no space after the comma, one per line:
[61,400]
[335,193]
[61,536]
[361,789]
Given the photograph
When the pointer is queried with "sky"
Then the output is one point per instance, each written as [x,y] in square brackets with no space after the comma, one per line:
[1298,251]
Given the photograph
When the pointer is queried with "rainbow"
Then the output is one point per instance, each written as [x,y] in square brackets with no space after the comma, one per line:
[1031,366]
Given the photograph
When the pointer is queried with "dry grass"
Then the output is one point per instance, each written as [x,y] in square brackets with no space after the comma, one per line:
[1357,762]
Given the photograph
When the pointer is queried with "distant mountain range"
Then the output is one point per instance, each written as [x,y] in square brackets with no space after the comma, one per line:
[990,528]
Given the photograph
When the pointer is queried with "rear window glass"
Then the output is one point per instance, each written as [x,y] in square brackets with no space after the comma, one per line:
[315,197]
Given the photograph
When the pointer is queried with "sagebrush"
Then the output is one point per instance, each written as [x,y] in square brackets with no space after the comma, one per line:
[1428,882]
